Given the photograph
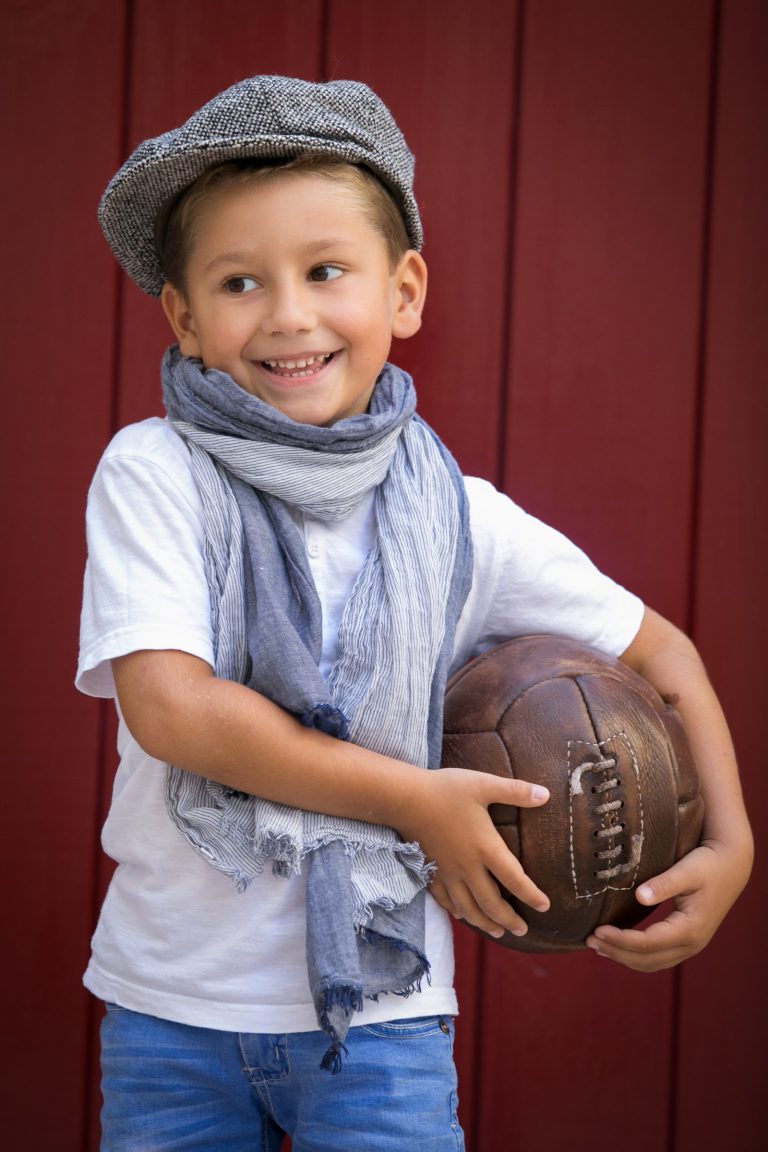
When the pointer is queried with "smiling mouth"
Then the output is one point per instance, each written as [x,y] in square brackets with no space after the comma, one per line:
[299,369]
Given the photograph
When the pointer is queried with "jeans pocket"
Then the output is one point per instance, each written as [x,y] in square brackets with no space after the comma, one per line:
[415,1028]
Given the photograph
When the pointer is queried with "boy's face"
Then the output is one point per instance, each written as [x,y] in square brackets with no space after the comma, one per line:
[290,290]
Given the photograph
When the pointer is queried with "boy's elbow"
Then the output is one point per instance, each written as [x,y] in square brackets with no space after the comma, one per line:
[157,693]
[659,640]
[152,727]
[667,659]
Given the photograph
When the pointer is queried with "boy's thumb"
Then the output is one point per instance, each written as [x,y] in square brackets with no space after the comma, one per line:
[524,794]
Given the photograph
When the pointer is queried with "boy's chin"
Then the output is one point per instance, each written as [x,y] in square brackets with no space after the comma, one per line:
[318,402]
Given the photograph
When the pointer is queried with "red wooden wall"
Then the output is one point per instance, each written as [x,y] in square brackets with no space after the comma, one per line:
[594,181]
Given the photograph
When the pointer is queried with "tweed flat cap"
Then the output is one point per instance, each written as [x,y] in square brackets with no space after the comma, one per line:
[269,117]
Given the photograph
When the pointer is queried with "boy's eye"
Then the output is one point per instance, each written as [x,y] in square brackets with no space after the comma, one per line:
[324,272]
[238,285]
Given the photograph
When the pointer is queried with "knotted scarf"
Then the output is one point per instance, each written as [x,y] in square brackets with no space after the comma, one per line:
[365,887]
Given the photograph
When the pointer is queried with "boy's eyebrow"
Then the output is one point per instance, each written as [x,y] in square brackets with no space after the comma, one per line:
[329,242]
[227,258]
[312,249]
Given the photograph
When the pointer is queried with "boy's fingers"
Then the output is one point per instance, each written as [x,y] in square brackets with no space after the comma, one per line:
[511,876]
[485,909]
[480,901]
[459,903]
[652,949]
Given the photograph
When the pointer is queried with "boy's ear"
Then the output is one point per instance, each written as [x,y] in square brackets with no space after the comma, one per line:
[180,320]
[411,285]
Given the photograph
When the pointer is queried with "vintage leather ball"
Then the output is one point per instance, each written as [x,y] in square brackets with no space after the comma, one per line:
[624,793]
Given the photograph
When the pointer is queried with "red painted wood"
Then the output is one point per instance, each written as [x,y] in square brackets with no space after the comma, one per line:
[576,1055]
[724,1021]
[606,281]
[60,141]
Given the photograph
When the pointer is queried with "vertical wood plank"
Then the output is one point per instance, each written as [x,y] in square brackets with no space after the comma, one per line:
[577,1055]
[607,266]
[723,1060]
[447,71]
[60,131]
[601,439]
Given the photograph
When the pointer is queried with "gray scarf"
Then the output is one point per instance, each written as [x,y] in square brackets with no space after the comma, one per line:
[365,887]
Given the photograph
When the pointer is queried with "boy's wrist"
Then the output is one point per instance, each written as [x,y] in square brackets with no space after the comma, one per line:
[382,790]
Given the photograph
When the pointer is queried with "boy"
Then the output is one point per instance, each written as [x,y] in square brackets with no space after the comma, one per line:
[281,576]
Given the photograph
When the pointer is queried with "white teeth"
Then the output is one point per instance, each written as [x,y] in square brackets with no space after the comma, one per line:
[293,365]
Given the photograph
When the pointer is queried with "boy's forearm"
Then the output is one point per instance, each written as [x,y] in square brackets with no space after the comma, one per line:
[670,662]
[179,712]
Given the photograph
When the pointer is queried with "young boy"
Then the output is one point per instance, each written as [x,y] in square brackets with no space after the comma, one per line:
[281,576]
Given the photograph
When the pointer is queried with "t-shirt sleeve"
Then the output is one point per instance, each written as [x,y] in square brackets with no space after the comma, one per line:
[145,585]
[528,579]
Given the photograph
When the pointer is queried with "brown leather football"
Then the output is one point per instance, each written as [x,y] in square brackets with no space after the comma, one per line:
[624,792]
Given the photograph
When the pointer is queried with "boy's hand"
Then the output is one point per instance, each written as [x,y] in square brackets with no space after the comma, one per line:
[449,818]
[703,885]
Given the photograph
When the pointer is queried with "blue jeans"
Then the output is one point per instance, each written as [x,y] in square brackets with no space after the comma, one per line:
[173,1088]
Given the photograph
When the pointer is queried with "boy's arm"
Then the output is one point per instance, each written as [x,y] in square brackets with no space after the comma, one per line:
[179,712]
[705,883]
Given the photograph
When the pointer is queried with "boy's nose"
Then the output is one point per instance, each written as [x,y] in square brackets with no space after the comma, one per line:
[289,309]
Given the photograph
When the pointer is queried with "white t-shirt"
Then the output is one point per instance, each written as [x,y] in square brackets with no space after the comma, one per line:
[175,939]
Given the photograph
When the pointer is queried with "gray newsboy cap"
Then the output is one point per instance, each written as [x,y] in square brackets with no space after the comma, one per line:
[270,117]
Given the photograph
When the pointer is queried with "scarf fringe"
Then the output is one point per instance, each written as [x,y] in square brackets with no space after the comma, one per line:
[287,855]
[285,852]
[331,1062]
[332,1000]
[349,998]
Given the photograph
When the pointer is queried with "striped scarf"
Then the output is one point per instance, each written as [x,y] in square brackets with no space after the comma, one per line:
[365,887]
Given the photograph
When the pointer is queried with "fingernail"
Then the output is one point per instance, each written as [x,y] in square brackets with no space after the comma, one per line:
[521,931]
[645,892]
[540,793]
